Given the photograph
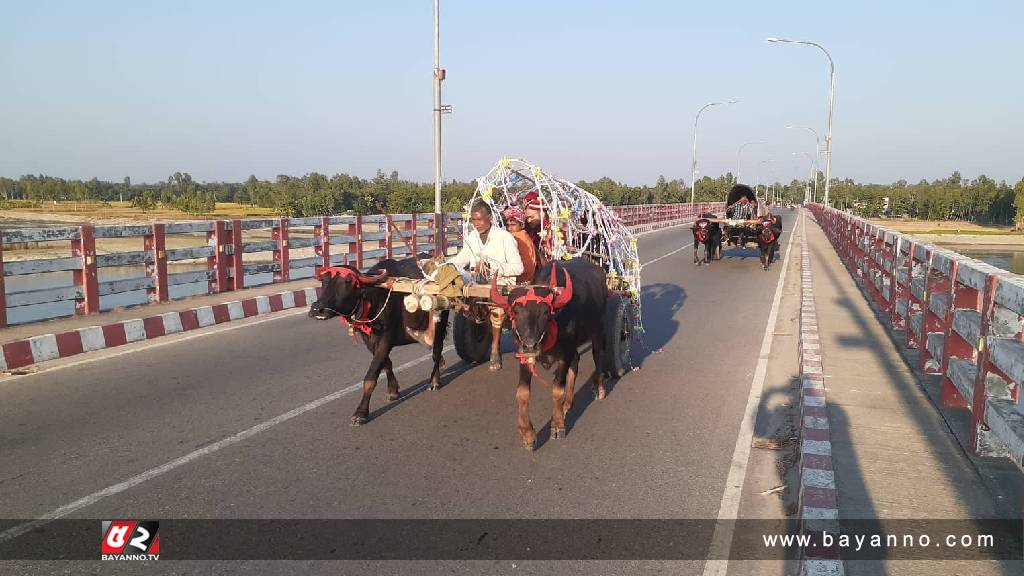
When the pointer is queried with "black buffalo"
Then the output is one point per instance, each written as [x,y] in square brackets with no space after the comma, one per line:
[769,231]
[550,323]
[708,234]
[378,315]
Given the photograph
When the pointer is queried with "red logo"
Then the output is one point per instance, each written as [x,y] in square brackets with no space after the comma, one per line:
[130,540]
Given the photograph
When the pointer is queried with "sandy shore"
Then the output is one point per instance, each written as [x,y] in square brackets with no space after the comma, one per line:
[1008,241]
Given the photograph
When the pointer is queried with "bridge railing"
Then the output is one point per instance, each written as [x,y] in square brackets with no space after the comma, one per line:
[234,254]
[964,316]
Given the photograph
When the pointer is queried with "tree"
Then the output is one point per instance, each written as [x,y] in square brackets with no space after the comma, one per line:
[1018,204]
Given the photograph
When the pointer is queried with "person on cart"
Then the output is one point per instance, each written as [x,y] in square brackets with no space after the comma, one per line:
[536,222]
[514,220]
[488,250]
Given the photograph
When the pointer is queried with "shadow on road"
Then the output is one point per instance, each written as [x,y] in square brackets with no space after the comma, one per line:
[659,303]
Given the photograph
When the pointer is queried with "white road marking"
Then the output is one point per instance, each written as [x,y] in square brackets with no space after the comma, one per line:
[663,256]
[191,456]
[721,542]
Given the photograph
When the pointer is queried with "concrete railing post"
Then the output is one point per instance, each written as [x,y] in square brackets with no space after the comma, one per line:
[323,248]
[280,235]
[3,289]
[237,263]
[86,276]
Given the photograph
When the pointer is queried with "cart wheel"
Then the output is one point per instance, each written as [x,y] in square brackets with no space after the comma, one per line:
[619,322]
[472,340]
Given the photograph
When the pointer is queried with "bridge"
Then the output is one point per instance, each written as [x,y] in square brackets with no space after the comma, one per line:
[864,376]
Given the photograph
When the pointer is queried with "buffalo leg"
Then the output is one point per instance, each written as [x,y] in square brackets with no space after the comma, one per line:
[558,399]
[696,243]
[570,384]
[527,435]
[381,353]
[597,346]
[392,381]
[440,332]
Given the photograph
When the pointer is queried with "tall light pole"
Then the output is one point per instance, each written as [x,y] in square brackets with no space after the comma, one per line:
[831,106]
[438,77]
[757,178]
[693,167]
[740,151]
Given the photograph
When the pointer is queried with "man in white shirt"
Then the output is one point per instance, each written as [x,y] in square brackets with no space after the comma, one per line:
[488,249]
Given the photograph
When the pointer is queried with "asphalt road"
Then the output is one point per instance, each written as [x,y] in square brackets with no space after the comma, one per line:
[659,446]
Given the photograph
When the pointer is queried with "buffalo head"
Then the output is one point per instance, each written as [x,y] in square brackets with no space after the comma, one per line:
[341,291]
[532,311]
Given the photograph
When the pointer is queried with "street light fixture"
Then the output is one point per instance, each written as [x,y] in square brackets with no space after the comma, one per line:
[740,151]
[693,167]
[831,106]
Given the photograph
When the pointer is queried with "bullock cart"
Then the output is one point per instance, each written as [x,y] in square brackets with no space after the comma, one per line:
[569,222]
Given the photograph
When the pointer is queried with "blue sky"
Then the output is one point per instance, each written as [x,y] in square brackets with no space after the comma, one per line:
[583,88]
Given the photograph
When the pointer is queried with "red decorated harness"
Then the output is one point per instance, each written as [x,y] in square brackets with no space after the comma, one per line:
[701,230]
[359,317]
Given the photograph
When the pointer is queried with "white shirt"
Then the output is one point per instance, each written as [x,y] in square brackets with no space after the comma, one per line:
[500,253]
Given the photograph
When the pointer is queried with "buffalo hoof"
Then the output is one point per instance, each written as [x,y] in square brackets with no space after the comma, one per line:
[557,433]
[494,366]
[358,420]
[599,393]
[435,385]
[392,396]
[530,446]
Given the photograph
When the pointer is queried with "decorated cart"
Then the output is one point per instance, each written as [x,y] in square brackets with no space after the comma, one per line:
[573,224]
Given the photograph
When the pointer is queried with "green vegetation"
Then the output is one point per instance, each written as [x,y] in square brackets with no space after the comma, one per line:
[979,200]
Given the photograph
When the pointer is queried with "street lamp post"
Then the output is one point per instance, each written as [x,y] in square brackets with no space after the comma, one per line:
[740,151]
[757,178]
[438,77]
[693,166]
[831,106]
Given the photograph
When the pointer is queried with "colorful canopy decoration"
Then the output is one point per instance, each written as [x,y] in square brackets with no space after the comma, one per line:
[574,222]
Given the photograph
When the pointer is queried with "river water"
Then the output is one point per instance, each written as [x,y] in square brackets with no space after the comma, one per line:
[1006,257]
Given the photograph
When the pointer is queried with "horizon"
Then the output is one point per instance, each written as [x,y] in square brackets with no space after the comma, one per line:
[225,91]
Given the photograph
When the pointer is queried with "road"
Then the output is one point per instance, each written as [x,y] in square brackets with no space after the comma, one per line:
[175,420]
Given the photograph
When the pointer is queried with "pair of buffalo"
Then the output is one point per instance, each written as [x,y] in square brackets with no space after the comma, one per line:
[550,322]
[708,233]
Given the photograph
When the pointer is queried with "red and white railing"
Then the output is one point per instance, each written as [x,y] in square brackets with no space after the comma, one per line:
[964,316]
[357,240]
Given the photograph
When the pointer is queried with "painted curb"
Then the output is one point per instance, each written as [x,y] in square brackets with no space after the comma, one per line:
[818,498]
[37,349]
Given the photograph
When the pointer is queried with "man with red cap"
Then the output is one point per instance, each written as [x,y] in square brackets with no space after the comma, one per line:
[536,221]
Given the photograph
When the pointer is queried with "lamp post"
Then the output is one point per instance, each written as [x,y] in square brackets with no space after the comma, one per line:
[438,77]
[740,151]
[693,167]
[831,106]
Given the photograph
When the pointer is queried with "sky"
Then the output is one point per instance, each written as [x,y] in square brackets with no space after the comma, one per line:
[585,89]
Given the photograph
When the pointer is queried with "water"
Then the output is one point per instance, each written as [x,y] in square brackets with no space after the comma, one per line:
[1006,258]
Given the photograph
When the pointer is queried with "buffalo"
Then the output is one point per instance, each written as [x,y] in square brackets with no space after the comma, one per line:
[377,314]
[770,229]
[708,234]
[550,323]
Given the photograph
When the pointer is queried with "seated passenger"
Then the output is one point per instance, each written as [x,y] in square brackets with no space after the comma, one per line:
[489,250]
[527,251]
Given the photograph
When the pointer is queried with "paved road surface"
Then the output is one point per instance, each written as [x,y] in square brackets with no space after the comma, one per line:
[659,446]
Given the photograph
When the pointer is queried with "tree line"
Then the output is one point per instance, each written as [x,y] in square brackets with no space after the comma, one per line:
[954,198]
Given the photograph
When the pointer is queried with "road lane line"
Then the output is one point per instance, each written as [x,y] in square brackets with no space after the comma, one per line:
[194,455]
[663,256]
[722,540]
